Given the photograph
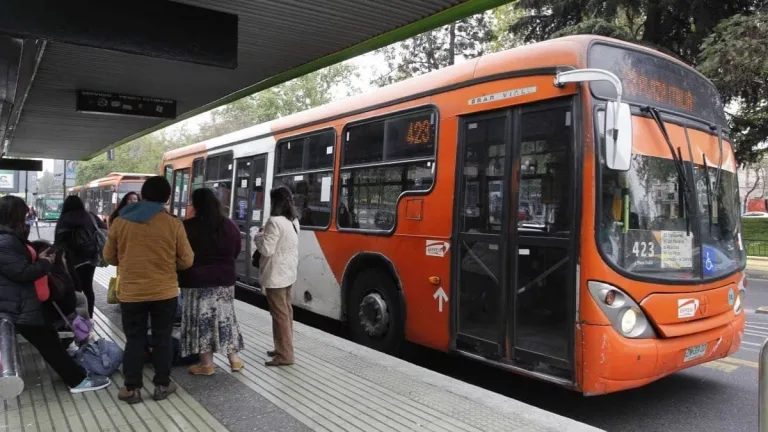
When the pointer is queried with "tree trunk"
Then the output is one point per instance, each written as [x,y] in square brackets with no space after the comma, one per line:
[452,44]
[757,181]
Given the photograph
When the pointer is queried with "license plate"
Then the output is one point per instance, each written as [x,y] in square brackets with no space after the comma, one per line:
[695,352]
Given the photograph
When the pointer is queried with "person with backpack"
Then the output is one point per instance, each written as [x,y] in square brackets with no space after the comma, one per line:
[150,246]
[77,232]
[23,290]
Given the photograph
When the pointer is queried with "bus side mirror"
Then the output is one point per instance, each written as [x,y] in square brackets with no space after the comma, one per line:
[618,136]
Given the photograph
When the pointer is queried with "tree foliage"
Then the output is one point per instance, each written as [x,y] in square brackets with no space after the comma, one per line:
[309,91]
[436,49]
[140,156]
[45,184]
[735,57]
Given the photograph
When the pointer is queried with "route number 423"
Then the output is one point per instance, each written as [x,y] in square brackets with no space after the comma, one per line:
[644,249]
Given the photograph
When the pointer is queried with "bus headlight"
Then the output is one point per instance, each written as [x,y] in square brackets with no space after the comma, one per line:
[628,321]
[622,311]
[741,293]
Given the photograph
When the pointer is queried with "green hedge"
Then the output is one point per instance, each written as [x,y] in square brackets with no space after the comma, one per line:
[754,229]
[755,235]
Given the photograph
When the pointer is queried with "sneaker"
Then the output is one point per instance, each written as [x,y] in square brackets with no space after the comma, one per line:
[162,392]
[202,370]
[91,383]
[130,396]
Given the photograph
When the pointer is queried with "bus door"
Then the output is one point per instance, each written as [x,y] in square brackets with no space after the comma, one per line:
[180,193]
[514,271]
[543,241]
[248,211]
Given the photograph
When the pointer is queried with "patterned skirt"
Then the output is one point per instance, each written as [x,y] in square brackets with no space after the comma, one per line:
[208,321]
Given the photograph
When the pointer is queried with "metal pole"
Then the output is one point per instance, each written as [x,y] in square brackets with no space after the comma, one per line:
[762,383]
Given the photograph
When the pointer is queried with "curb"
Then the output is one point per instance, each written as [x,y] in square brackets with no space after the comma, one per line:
[762,310]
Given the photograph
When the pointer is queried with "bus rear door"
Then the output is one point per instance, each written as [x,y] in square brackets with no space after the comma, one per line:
[248,210]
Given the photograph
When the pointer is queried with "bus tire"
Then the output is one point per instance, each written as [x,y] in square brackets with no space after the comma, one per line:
[375,315]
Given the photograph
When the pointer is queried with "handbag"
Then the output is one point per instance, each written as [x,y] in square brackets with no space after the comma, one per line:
[113,296]
[42,289]
[256,257]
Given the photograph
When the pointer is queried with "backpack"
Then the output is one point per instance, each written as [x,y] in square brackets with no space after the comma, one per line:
[62,282]
[102,357]
[99,236]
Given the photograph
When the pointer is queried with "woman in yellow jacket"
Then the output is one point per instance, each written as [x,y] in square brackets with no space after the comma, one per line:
[150,246]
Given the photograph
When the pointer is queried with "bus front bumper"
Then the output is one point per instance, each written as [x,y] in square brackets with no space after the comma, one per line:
[612,362]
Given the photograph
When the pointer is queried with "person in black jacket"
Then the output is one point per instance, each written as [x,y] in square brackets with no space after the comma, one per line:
[75,232]
[19,302]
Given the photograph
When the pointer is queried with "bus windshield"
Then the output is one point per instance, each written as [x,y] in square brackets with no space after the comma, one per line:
[647,228]
[54,204]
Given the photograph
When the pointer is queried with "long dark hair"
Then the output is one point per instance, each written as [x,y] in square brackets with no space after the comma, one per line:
[282,203]
[123,203]
[13,214]
[72,203]
[208,210]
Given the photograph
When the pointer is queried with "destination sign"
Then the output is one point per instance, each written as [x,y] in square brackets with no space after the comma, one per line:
[656,81]
[129,105]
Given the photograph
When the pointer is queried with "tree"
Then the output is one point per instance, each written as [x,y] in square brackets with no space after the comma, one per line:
[309,91]
[436,49]
[45,183]
[140,156]
[735,57]
[677,27]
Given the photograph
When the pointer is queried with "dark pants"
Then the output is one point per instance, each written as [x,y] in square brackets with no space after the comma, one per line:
[135,327]
[47,342]
[84,275]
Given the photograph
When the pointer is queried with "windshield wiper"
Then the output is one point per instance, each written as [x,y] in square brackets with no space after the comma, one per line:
[678,166]
[709,192]
[719,163]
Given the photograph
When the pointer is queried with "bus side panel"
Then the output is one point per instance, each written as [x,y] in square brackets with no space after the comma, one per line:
[420,218]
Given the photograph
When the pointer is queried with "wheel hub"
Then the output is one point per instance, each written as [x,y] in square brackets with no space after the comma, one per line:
[374,315]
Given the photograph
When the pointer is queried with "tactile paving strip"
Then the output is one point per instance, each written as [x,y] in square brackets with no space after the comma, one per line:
[47,405]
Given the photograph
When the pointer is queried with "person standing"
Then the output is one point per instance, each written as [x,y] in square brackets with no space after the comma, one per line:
[150,246]
[208,322]
[128,199]
[278,246]
[75,231]
[20,270]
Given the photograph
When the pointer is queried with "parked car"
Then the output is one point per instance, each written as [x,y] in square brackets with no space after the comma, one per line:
[755,214]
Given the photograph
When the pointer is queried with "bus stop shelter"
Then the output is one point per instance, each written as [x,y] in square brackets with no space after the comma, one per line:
[79,77]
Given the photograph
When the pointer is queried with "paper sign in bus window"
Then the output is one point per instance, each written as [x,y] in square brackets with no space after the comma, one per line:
[676,249]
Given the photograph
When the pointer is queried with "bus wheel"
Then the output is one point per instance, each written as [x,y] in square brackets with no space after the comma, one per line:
[374,313]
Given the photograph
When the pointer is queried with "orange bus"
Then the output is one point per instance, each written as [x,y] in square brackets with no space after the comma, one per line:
[101,196]
[566,210]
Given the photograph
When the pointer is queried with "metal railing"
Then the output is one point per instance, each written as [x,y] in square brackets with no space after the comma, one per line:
[757,248]
[11,384]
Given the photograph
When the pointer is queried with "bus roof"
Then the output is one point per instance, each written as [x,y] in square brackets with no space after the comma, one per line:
[561,52]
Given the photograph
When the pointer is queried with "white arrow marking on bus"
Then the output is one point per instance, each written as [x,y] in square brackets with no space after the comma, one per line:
[441,296]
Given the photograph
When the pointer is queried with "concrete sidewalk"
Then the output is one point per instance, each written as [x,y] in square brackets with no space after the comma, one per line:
[757,267]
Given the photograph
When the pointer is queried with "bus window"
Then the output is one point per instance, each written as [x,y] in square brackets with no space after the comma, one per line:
[311,190]
[381,160]
[198,171]
[218,177]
